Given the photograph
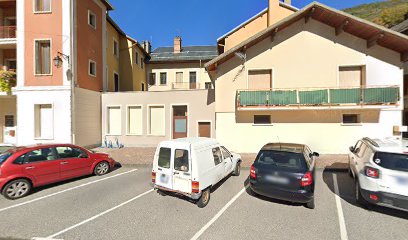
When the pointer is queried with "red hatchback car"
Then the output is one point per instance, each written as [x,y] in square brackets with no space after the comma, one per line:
[23,168]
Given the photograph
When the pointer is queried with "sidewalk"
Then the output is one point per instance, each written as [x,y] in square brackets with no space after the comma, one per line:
[144,156]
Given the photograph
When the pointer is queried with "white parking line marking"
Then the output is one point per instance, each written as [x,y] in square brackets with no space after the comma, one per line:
[99,215]
[65,190]
[206,226]
[343,230]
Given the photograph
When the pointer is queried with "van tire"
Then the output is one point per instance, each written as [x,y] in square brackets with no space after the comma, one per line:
[204,199]
[237,170]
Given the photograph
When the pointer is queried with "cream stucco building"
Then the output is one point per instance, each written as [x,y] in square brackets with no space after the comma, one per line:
[318,76]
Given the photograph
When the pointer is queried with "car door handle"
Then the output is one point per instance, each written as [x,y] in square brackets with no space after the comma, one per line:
[175,173]
[63,163]
[31,167]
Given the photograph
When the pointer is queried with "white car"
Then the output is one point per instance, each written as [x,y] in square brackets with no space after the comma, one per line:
[191,166]
[380,170]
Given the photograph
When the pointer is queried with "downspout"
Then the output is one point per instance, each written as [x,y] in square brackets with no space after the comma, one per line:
[72,70]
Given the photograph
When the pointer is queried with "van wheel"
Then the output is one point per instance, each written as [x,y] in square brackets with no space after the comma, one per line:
[311,204]
[359,198]
[237,169]
[204,199]
[16,189]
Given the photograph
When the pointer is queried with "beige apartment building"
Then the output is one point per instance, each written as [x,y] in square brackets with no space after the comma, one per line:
[319,76]
[180,67]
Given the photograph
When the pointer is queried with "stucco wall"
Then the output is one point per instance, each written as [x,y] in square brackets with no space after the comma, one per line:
[88,115]
[306,56]
[112,60]
[172,68]
[200,108]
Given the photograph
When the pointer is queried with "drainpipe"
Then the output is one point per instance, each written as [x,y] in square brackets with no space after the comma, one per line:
[71,67]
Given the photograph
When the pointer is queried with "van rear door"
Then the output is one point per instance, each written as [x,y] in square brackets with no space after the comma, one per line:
[164,175]
[182,171]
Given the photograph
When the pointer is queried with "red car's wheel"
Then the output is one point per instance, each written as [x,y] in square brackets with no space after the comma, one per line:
[101,168]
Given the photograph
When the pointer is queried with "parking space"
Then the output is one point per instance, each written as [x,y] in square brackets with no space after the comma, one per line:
[121,205]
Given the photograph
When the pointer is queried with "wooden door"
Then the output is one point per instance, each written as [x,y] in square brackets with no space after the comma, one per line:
[204,129]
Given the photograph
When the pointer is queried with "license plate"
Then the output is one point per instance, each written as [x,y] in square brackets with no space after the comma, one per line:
[403,181]
[164,178]
[277,179]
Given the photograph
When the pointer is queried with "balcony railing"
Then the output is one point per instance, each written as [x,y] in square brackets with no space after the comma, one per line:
[8,32]
[185,85]
[319,97]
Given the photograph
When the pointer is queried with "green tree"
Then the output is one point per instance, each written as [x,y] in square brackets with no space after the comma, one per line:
[7,81]
[392,16]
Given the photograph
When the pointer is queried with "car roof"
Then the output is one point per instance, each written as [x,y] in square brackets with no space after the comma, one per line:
[36,146]
[192,141]
[391,145]
[285,147]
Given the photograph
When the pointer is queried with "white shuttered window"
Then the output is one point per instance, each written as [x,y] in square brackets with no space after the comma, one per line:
[135,120]
[156,120]
[114,121]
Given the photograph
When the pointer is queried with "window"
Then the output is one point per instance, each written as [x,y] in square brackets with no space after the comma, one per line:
[44,121]
[115,48]
[260,79]
[363,148]
[134,120]
[92,68]
[137,58]
[179,77]
[217,155]
[42,57]
[42,6]
[262,119]
[9,121]
[39,155]
[116,82]
[143,87]
[91,19]
[114,121]
[351,119]
[193,77]
[156,121]
[68,152]
[164,157]
[208,85]
[142,63]
[163,78]
[152,79]
[181,162]
[225,153]
[351,76]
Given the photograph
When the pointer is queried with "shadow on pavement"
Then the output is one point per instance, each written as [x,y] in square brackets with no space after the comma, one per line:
[267,199]
[346,187]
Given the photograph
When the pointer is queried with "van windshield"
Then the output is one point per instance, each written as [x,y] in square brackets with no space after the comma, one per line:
[164,157]
[392,161]
[280,160]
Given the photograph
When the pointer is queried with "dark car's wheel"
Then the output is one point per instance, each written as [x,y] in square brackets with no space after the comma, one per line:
[204,199]
[16,189]
[311,204]
[101,168]
[237,170]
[359,197]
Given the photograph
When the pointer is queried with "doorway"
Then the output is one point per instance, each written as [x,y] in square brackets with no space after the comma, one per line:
[180,115]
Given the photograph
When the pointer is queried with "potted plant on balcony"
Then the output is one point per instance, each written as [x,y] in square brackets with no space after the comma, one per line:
[7,81]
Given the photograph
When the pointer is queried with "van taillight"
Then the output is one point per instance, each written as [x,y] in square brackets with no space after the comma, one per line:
[307,179]
[195,187]
[252,172]
[372,172]
[153,177]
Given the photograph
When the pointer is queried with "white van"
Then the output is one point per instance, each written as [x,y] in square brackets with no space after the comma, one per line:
[191,166]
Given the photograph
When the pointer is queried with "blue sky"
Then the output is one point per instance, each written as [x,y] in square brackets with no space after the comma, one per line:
[199,22]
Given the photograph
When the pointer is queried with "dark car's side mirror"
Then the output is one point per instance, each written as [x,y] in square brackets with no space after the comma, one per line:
[352,149]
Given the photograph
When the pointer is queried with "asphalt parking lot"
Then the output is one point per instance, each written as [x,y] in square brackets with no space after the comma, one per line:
[122,205]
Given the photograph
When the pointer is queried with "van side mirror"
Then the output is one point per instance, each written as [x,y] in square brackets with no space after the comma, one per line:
[314,154]
[352,149]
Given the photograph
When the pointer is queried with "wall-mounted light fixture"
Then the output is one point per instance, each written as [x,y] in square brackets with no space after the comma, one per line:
[58,60]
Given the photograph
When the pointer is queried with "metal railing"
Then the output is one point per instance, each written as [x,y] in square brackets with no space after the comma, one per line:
[185,85]
[373,95]
[8,31]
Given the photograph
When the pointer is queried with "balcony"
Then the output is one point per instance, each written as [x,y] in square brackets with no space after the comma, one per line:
[185,86]
[8,31]
[375,97]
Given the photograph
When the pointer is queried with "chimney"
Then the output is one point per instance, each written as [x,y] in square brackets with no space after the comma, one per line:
[177,44]
[147,46]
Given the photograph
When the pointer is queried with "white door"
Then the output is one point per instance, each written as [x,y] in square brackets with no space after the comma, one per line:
[228,164]
[182,171]
[164,175]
